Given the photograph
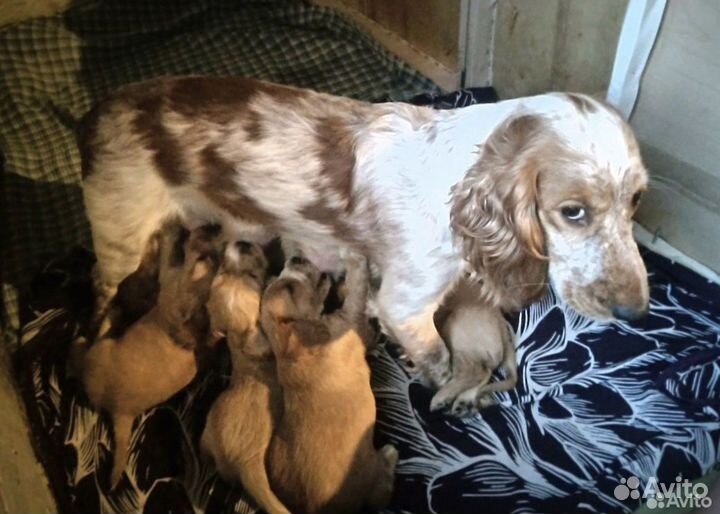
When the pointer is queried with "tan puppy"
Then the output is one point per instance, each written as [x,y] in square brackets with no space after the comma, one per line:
[240,423]
[480,342]
[154,358]
[322,458]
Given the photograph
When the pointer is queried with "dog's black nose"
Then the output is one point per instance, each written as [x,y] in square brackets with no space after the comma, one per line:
[627,313]
[297,260]
[244,247]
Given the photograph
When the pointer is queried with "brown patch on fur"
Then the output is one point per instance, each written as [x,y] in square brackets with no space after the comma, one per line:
[253,126]
[167,150]
[222,99]
[583,104]
[221,188]
[337,157]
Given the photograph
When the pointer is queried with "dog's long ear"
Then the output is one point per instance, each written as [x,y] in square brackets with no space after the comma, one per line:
[494,212]
[301,336]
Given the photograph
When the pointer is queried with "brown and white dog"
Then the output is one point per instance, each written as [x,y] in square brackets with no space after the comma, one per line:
[322,458]
[519,194]
[121,375]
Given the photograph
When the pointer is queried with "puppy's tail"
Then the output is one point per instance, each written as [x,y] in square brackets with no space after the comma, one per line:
[382,490]
[253,476]
[122,428]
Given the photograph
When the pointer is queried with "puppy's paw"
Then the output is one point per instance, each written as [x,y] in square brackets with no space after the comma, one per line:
[463,408]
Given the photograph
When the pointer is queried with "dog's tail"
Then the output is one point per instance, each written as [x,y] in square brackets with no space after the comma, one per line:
[253,476]
[122,428]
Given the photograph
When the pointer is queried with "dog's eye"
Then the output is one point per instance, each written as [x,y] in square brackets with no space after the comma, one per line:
[636,199]
[574,213]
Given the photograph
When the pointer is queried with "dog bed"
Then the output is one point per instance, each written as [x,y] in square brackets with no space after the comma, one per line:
[595,405]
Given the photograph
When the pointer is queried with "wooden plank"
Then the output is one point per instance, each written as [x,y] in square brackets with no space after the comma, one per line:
[431,26]
[445,77]
[13,11]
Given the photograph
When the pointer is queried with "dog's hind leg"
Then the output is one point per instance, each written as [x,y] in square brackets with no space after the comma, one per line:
[122,428]
[484,394]
[253,477]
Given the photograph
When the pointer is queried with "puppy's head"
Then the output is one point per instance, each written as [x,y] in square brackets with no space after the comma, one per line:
[244,259]
[234,304]
[189,261]
[297,294]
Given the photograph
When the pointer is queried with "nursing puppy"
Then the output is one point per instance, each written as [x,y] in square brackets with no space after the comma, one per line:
[480,342]
[240,423]
[322,458]
[154,358]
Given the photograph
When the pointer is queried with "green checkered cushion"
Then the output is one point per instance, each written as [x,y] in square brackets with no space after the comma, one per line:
[53,69]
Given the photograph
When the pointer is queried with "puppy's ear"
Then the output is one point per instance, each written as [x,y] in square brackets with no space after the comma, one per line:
[301,336]
[494,212]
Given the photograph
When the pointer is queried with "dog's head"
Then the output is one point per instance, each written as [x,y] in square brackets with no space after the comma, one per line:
[553,195]
[297,294]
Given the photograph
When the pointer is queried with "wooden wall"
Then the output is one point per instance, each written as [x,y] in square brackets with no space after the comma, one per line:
[431,26]
[522,47]
[12,11]
[545,45]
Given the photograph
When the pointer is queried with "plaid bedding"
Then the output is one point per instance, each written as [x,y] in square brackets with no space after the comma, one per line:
[53,69]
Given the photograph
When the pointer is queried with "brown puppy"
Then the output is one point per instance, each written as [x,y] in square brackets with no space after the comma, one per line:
[240,423]
[154,358]
[480,342]
[322,458]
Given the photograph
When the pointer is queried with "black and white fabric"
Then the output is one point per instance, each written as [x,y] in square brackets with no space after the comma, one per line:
[595,404]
